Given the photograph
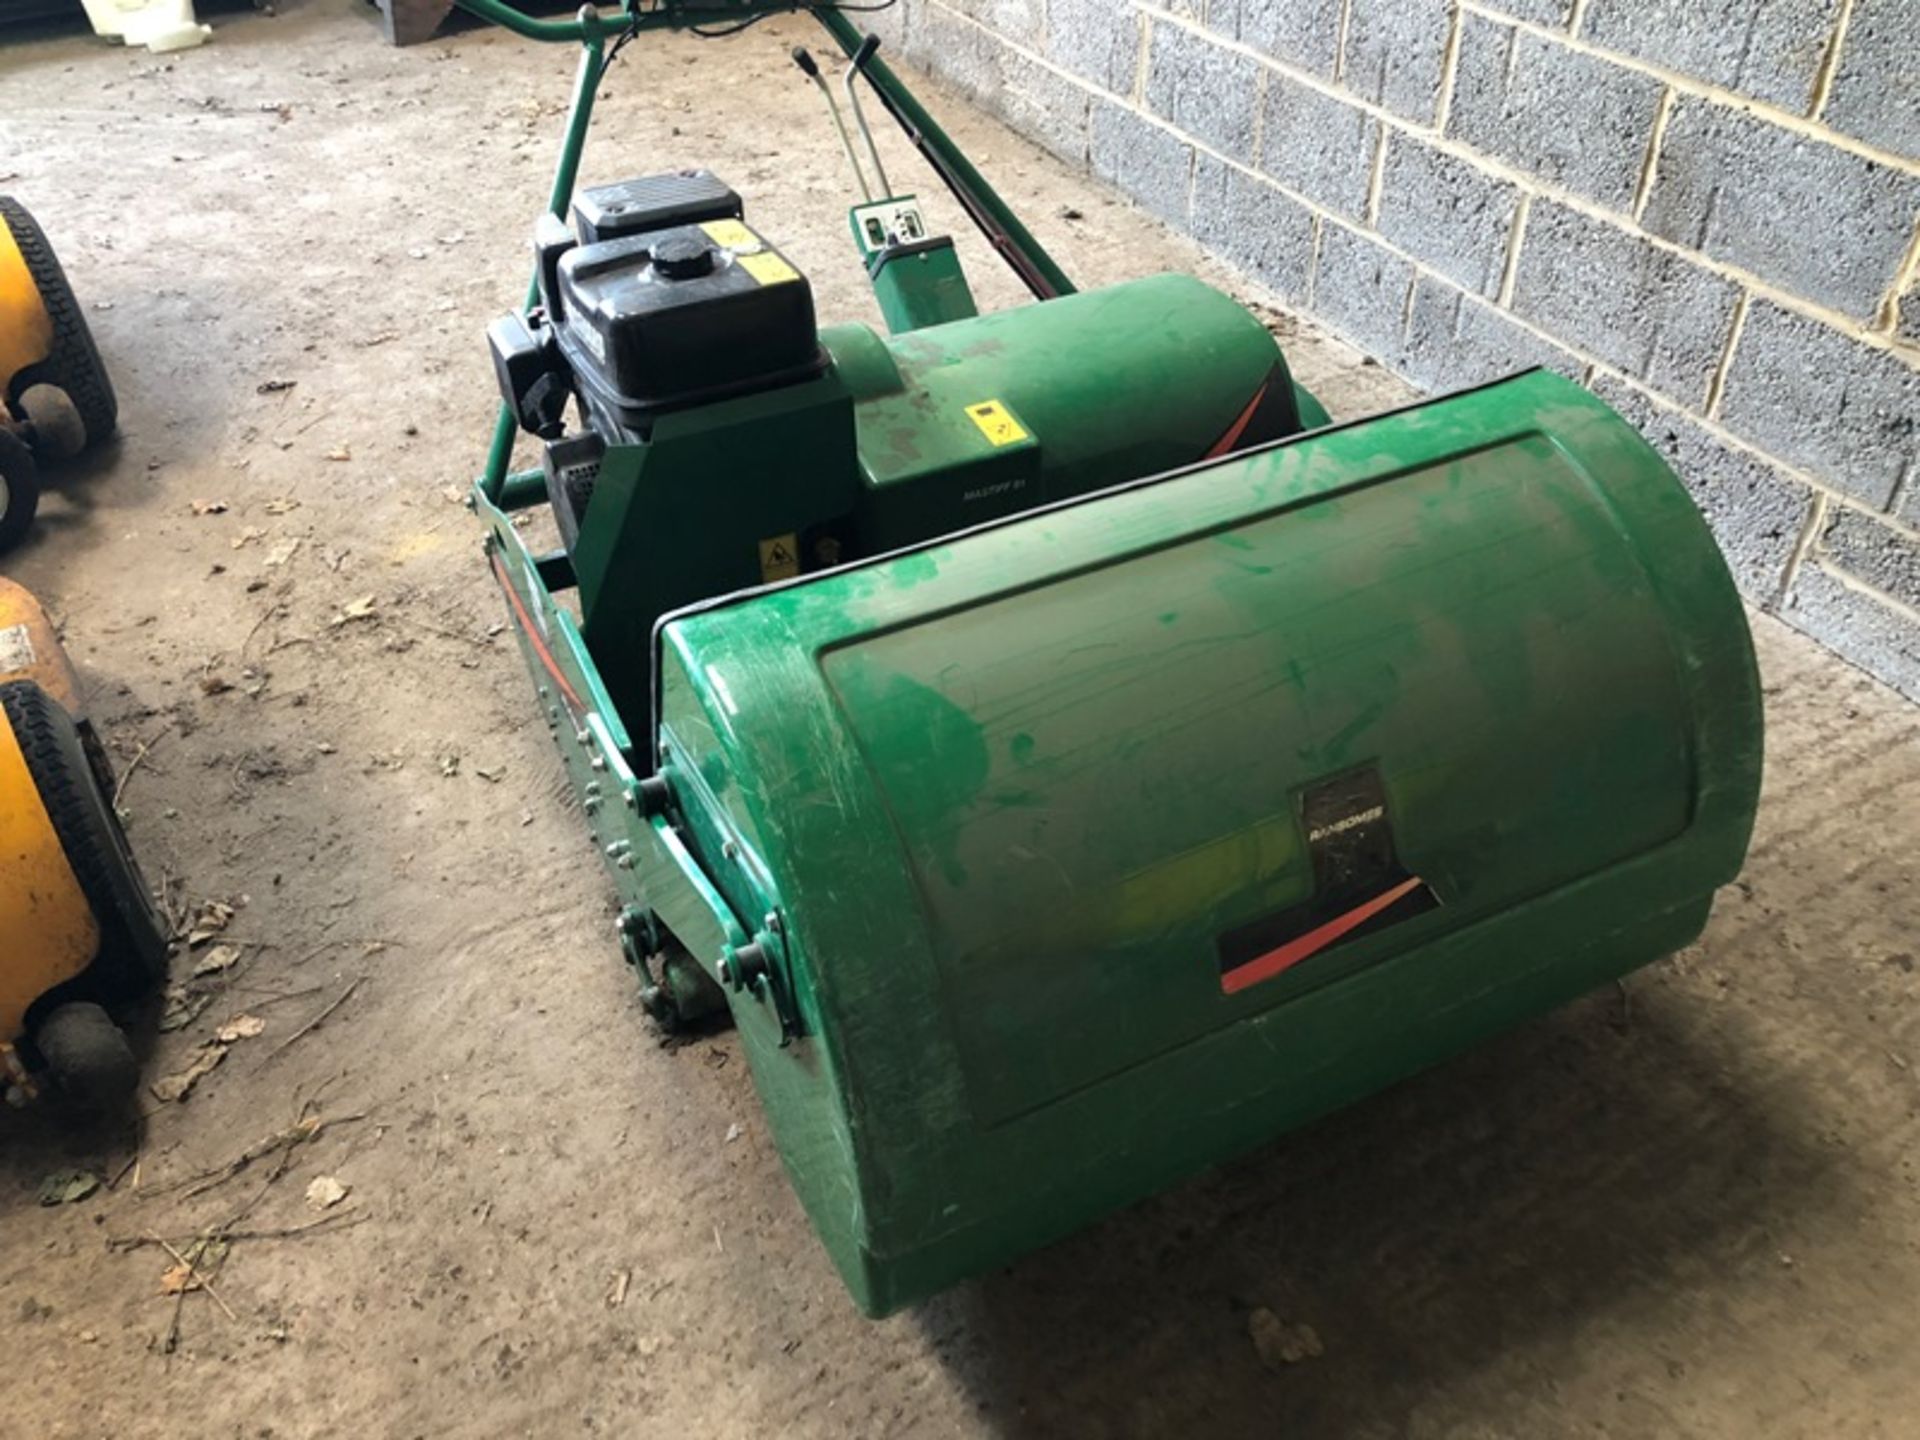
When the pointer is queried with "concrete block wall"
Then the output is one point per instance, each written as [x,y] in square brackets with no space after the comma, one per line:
[1708,211]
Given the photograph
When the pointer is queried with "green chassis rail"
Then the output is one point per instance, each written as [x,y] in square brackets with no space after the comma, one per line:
[1010,851]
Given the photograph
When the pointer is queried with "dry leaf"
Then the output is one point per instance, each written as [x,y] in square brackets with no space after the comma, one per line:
[220,957]
[178,1280]
[183,1007]
[197,1262]
[215,685]
[361,609]
[326,1192]
[65,1187]
[281,507]
[209,507]
[208,922]
[1279,1343]
[241,1027]
[453,494]
[179,1085]
[247,536]
[274,387]
[339,452]
[284,551]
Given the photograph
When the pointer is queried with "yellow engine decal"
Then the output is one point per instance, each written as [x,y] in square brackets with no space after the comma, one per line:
[768,268]
[996,422]
[732,235]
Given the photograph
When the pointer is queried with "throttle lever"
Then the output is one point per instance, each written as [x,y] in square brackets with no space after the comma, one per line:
[861,56]
[811,69]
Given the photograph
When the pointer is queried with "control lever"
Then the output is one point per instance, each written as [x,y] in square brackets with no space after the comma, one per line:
[811,69]
[854,67]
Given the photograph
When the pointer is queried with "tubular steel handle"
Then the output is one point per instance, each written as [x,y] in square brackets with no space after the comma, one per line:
[811,69]
[589,23]
[855,68]
[593,23]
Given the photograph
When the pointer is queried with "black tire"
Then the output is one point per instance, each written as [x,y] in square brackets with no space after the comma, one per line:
[70,771]
[75,364]
[19,490]
[87,1056]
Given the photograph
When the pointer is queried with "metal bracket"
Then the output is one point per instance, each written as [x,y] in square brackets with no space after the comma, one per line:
[759,969]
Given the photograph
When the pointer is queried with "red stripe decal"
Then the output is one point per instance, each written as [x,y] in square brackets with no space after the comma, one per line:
[1275,962]
[1239,427]
[533,635]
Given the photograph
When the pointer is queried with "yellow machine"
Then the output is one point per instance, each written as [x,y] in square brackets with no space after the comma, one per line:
[79,931]
[55,397]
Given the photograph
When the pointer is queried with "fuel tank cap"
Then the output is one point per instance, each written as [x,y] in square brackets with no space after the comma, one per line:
[683,258]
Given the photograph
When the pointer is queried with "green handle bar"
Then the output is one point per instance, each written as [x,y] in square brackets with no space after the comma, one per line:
[592,23]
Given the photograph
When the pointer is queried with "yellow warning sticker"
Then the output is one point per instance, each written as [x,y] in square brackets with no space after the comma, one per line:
[996,422]
[779,558]
[732,235]
[768,268]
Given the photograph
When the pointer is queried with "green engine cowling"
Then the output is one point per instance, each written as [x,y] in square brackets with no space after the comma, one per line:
[901,439]
[1086,850]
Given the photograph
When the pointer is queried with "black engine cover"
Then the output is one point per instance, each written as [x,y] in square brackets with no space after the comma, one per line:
[682,315]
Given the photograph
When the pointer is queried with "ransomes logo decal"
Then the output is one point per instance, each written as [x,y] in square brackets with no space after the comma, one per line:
[1352,822]
[1360,886]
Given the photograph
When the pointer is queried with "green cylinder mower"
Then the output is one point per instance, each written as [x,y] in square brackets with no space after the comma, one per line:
[1067,756]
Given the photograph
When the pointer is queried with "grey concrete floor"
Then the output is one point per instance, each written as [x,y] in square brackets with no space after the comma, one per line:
[1686,1208]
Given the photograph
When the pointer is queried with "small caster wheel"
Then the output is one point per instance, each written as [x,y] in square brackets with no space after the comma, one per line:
[87,1056]
[58,432]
